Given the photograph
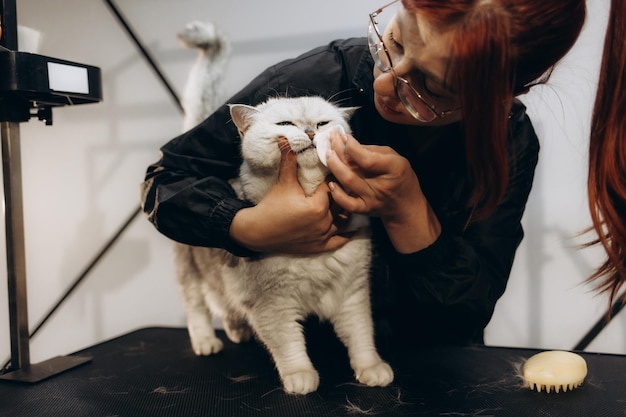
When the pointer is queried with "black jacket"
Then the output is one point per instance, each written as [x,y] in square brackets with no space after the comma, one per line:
[445,293]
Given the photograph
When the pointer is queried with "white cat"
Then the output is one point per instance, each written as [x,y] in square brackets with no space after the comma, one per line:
[203,88]
[270,295]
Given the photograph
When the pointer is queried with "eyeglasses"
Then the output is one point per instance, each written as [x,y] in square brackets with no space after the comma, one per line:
[413,101]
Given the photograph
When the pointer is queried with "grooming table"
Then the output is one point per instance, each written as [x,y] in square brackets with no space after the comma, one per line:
[153,372]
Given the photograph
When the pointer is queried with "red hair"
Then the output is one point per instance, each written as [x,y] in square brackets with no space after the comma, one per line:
[508,45]
[607,157]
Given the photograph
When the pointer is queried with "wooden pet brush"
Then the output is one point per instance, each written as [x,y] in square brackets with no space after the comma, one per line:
[554,370]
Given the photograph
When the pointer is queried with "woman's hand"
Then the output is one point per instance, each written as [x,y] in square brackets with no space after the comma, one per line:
[286,220]
[382,183]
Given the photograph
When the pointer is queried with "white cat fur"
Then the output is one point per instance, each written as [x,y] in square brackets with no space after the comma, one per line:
[271,294]
[203,88]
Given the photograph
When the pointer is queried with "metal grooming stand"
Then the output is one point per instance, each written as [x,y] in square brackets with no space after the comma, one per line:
[26,85]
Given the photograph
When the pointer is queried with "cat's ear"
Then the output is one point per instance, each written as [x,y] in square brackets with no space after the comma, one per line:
[243,116]
[347,112]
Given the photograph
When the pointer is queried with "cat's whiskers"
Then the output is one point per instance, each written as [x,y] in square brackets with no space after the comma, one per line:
[338,93]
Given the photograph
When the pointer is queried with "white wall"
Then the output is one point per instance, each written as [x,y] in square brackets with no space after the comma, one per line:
[546,303]
[81,176]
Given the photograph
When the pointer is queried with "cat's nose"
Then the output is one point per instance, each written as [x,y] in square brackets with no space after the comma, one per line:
[310,133]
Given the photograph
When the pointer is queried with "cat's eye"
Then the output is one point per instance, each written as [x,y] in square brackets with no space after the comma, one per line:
[286,123]
[324,123]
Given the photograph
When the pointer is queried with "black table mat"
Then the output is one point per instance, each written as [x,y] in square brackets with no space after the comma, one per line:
[153,372]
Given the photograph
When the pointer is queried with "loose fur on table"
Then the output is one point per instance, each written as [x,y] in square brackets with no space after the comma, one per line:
[271,294]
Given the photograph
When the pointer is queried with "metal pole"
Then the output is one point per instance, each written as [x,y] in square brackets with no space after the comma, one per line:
[16,256]
[10,42]
[21,369]
[13,214]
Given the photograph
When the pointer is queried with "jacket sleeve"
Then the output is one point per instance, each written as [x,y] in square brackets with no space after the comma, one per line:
[454,284]
[186,194]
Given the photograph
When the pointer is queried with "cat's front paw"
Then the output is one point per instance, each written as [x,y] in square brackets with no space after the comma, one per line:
[378,375]
[301,382]
[206,345]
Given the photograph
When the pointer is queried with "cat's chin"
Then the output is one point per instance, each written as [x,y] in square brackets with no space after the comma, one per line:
[307,158]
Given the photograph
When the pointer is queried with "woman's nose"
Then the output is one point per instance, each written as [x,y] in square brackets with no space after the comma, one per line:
[385,83]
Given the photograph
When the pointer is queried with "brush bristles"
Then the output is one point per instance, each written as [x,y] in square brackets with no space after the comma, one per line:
[554,371]
[555,388]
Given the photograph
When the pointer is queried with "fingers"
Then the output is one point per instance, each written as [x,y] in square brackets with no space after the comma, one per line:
[360,172]
[338,145]
[373,160]
[321,234]
[350,203]
[288,164]
[335,242]
[369,159]
[331,239]
[338,159]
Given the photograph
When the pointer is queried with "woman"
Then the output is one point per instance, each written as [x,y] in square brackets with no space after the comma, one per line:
[443,164]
